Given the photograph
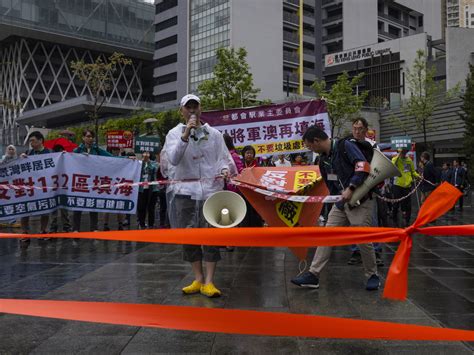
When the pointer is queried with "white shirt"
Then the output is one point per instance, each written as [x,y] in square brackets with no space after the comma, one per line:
[278,163]
[201,160]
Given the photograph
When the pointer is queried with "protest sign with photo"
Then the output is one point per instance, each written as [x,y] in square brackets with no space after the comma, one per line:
[40,184]
[119,139]
[271,129]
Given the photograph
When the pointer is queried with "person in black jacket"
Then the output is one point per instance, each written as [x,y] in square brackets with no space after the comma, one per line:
[446,173]
[430,179]
[458,179]
[344,168]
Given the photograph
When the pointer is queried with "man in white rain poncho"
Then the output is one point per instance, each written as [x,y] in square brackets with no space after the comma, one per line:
[197,153]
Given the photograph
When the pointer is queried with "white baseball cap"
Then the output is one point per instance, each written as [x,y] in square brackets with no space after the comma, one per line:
[188,98]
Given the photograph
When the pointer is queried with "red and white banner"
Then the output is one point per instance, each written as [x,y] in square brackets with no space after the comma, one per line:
[40,184]
[271,129]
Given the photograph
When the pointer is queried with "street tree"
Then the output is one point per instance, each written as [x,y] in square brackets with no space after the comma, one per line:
[98,76]
[468,118]
[232,83]
[344,102]
[427,94]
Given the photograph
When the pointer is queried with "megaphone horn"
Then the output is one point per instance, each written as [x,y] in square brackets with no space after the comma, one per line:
[224,209]
[381,168]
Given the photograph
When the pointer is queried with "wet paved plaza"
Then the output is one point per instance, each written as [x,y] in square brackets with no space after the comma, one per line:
[441,294]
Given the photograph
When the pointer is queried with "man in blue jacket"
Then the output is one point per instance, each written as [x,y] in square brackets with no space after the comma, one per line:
[343,168]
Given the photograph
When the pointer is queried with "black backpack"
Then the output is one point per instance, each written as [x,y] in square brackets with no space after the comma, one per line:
[365,147]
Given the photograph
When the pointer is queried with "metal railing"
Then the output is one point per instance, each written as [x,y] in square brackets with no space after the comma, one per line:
[332,19]
[293,2]
[291,57]
[333,36]
[291,37]
[292,18]
[292,77]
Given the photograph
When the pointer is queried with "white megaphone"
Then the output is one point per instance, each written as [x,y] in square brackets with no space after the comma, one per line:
[224,209]
[381,168]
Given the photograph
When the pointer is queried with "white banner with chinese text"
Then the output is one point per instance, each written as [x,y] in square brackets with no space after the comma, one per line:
[40,184]
[271,129]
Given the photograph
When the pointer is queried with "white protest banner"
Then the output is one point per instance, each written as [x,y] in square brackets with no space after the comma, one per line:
[271,129]
[40,184]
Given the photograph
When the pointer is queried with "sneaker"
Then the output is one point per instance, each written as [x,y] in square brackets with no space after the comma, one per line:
[355,259]
[378,259]
[373,283]
[210,290]
[307,279]
[195,287]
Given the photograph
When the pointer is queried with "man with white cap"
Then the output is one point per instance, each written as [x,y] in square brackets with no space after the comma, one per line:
[197,156]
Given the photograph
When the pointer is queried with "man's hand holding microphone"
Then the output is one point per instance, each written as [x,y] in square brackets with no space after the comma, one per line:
[190,128]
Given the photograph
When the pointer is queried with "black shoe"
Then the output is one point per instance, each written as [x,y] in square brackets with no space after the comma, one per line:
[373,283]
[355,259]
[120,227]
[106,228]
[378,259]
[307,279]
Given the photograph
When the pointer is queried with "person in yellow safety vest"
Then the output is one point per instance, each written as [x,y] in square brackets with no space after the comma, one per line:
[402,186]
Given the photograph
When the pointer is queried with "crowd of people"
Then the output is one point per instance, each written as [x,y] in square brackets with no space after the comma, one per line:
[195,153]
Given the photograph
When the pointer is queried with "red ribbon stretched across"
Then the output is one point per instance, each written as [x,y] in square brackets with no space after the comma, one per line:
[438,203]
[230,321]
[265,323]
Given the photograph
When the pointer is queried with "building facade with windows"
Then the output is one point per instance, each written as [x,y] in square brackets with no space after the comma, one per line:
[40,39]
[281,38]
[352,24]
[460,13]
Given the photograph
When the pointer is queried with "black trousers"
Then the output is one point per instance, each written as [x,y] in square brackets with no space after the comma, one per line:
[461,199]
[146,204]
[93,218]
[164,222]
[404,205]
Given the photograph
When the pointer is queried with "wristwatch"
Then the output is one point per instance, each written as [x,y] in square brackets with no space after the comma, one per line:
[352,188]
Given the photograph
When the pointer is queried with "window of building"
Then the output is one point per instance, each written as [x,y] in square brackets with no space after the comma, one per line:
[393,12]
[165,5]
[420,21]
[394,31]
[166,42]
[160,26]
[169,96]
[165,79]
[173,58]
[210,27]
[380,25]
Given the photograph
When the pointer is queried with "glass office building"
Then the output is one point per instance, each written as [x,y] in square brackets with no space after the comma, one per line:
[40,38]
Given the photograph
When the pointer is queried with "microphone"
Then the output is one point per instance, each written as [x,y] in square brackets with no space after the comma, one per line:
[193,130]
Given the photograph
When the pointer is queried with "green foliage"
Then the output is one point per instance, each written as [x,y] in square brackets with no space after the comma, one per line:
[343,104]
[98,76]
[166,121]
[426,94]
[232,84]
[468,117]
